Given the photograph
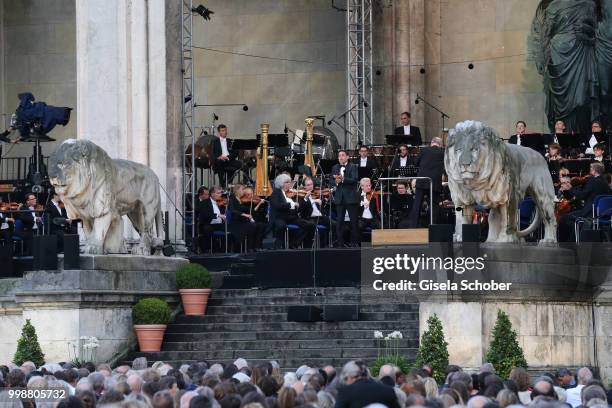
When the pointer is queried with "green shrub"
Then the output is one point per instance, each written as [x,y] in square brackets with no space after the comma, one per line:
[28,348]
[505,352]
[390,359]
[151,311]
[433,349]
[193,276]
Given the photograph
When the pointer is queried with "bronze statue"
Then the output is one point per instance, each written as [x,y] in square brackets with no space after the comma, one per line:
[572,48]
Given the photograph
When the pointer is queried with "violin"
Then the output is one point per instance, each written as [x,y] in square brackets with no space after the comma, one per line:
[10,206]
[579,181]
[251,199]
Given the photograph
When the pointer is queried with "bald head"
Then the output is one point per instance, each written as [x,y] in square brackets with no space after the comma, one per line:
[584,375]
[135,383]
[477,402]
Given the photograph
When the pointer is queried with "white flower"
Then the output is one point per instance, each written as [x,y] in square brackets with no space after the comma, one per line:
[378,334]
[387,337]
[399,335]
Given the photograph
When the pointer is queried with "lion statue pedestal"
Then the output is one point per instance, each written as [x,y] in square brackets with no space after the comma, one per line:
[99,191]
[484,170]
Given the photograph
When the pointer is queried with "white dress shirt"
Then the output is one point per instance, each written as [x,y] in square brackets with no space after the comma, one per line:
[407,130]
[403,161]
[224,149]
[518,139]
[363,162]
[290,201]
[592,143]
[367,214]
[217,211]
[4,224]
[35,226]
[315,209]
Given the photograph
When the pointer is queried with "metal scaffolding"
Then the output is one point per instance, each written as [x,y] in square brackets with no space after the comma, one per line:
[359,72]
[188,128]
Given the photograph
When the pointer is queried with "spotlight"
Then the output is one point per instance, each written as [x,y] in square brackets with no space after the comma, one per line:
[203,11]
[378,72]
[245,108]
[416,101]
[422,70]
[471,66]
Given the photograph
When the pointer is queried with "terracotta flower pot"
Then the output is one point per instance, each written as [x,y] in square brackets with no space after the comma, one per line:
[194,301]
[150,336]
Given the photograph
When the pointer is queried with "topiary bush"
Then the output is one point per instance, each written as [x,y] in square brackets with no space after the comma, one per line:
[193,276]
[505,352]
[28,348]
[151,311]
[433,349]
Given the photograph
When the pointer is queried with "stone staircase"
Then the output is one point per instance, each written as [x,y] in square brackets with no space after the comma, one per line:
[252,324]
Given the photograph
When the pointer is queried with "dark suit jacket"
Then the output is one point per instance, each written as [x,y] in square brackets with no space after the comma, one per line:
[365,392]
[374,205]
[346,192]
[431,164]
[206,212]
[218,151]
[512,139]
[595,186]
[279,207]
[305,209]
[414,138]
[27,220]
[395,164]
[51,213]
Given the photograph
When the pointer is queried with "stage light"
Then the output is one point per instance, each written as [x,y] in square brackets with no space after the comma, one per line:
[203,11]
[245,108]
[422,70]
[416,101]
[471,66]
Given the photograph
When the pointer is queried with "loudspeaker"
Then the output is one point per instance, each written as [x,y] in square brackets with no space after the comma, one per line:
[470,232]
[303,314]
[71,251]
[340,313]
[591,236]
[44,252]
[6,260]
[441,232]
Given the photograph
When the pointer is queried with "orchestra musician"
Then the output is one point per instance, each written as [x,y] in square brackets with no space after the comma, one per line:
[412,133]
[312,208]
[594,139]
[225,157]
[400,160]
[366,163]
[57,220]
[431,164]
[598,153]
[521,129]
[554,152]
[595,185]
[401,204]
[559,130]
[369,216]
[346,197]
[242,223]
[6,221]
[284,210]
[210,218]
[258,208]
[31,221]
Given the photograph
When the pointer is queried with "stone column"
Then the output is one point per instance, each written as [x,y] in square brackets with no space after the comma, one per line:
[128,79]
[408,57]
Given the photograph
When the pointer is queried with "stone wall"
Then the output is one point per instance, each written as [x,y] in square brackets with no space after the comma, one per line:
[504,86]
[39,56]
[276,91]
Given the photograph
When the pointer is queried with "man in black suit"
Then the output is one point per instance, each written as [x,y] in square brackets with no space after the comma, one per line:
[30,220]
[57,220]
[225,157]
[360,390]
[431,164]
[311,209]
[412,133]
[521,129]
[284,210]
[401,159]
[210,218]
[596,185]
[369,215]
[345,178]
[365,163]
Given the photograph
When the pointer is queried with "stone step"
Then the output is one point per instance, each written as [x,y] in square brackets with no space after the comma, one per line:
[409,331]
[281,353]
[375,298]
[253,309]
[240,293]
[281,326]
[281,317]
[205,345]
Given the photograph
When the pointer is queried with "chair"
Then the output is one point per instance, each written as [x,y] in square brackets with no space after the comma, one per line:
[290,227]
[603,212]
[322,229]
[526,212]
[222,234]
[17,229]
[594,217]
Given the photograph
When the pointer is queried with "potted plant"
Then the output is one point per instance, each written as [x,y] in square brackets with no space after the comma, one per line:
[150,317]
[193,281]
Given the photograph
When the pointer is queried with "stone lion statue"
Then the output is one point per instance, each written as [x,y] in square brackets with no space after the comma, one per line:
[99,191]
[484,170]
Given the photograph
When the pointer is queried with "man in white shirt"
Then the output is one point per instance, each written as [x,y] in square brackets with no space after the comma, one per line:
[211,218]
[225,164]
[584,375]
[596,130]
[412,133]
[401,160]
[369,215]
[284,211]
[521,129]
[365,163]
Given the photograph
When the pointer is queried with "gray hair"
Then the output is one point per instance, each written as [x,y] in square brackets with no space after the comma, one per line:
[584,375]
[436,141]
[463,377]
[487,368]
[326,400]
[96,380]
[280,180]
[290,379]
[591,393]
[353,369]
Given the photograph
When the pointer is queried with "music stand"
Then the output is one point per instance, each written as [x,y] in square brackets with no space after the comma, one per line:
[395,140]
[569,141]
[276,139]
[535,141]
[577,166]
[245,144]
[408,171]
